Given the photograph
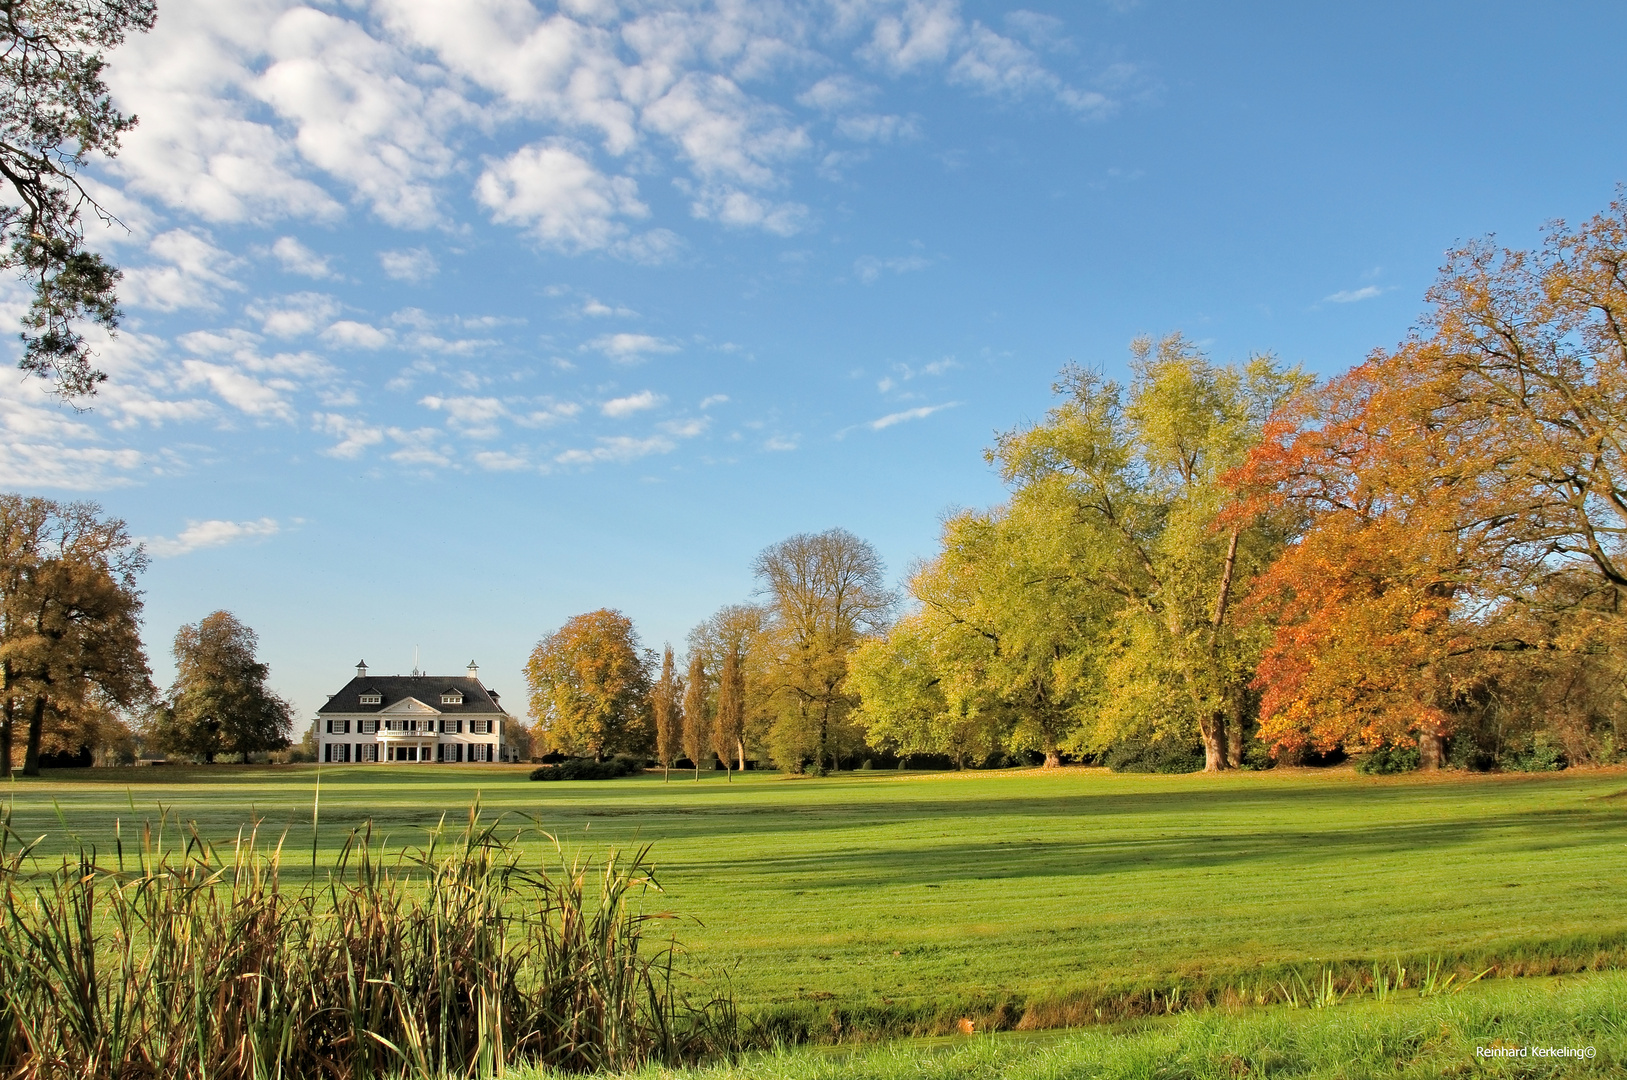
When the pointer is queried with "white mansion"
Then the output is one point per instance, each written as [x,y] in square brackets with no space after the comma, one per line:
[415,717]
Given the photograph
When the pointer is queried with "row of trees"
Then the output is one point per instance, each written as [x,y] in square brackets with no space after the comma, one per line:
[763,681]
[73,672]
[1424,553]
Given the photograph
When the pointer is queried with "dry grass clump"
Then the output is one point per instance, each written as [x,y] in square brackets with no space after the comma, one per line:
[198,961]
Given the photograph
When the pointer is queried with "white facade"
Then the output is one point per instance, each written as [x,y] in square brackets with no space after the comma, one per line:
[421,719]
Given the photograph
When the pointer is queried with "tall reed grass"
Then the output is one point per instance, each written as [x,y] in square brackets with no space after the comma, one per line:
[190,959]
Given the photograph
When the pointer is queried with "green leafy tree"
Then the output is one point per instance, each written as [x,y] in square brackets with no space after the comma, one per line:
[70,641]
[696,713]
[1000,654]
[589,686]
[220,702]
[742,630]
[1134,479]
[666,709]
[826,593]
[729,713]
[55,114]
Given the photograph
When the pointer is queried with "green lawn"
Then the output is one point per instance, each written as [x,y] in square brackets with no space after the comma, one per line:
[1545,1027]
[928,893]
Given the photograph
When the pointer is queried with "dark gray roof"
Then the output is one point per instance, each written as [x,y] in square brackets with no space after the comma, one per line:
[426,688]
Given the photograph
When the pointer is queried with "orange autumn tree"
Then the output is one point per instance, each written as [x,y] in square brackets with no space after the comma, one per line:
[1464,501]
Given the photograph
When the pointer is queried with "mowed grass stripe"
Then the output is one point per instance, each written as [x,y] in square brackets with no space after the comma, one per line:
[879,887]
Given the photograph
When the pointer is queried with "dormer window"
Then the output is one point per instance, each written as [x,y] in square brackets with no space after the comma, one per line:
[451,697]
[372,697]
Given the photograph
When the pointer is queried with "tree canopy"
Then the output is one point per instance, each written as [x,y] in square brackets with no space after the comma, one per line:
[55,114]
[70,641]
[220,702]
[1466,504]
[825,593]
[589,687]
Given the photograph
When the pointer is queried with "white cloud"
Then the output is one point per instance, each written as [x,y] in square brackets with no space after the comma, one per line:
[563,201]
[500,461]
[354,436]
[686,429]
[908,414]
[548,413]
[731,206]
[621,448]
[296,258]
[242,391]
[781,443]
[414,265]
[420,446]
[727,136]
[835,93]
[869,268]
[231,366]
[714,399]
[475,417]
[191,274]
[45,444]
[999,66]
[593,309]
[922,34]
[295,315]
[877,127]
[208,534]
[356,335]
[257,110]
[1042,31]
[629,348]
[904,372]
[1351,296]
[362,113]
[632,403]
[204,144]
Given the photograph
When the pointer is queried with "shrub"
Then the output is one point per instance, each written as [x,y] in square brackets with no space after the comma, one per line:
[1388,760]
[588,769]
[455,959]
[1154,756]
[1540,756]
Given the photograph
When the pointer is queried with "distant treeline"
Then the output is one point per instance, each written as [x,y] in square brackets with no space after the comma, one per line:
[1420,561]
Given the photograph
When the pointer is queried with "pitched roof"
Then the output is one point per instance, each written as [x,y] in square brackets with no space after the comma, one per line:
[427,688]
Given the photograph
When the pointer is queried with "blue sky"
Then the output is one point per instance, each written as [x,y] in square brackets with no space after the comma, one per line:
[449,320]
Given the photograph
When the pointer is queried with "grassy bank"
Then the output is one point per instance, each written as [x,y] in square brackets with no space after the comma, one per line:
[1404,1037]
[883,903]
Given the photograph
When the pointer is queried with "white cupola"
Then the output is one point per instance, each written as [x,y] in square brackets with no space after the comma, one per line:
[361,669]
[474,672]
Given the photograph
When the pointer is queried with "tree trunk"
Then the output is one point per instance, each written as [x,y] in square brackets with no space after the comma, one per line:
[5,739]
[1214,743]
[824,743]
[1234,743]
[1431,750]
[740,748]
[36,729]
[6,720]
[1053,758]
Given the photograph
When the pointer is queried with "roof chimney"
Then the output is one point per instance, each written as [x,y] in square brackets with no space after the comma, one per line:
[474,672]
[361,669]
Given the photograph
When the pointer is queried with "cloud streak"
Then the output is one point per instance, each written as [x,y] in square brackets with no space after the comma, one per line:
[209,534]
